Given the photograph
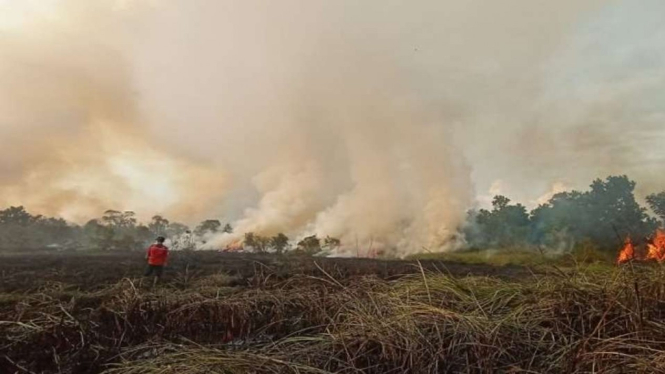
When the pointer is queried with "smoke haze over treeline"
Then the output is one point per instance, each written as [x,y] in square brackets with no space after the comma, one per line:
[380,121]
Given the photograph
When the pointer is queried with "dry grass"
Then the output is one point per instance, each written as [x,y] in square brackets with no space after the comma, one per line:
[610,321]
[582,254]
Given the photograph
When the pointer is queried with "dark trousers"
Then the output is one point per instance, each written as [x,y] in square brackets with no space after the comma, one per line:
[158,270]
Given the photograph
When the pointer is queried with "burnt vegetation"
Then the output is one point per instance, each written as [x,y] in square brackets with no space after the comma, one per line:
[253,313]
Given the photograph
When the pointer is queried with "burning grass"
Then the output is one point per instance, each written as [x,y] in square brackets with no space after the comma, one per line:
[428,321]
[654,249]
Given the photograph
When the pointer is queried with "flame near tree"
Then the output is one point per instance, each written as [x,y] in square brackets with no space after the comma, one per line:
[655,249]
[235,246]
[627,253]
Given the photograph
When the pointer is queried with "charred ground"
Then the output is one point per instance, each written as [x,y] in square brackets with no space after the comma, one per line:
[83,271]
[241,313]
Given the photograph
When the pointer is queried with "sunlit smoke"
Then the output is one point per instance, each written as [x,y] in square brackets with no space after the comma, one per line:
[374,122]
[73,142]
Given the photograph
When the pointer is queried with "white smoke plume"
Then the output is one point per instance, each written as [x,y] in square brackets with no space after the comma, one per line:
[73,142]
[374,121]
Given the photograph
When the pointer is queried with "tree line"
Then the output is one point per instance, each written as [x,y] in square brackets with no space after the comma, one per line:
[114,230]
[604,216]
[118,230]
[280,243]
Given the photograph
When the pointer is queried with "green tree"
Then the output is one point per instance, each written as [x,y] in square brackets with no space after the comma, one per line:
[143,236]
[208,226]
[119,219]
[612,203]
[279,243]
[118,231]
[504,226]
[98,236]
[310,245]
[227,228]
[158,225]
[17,216]
[657,204]
[258,243]
[55,231]
[176,229]
[21,230]
[500,202]
[593,215]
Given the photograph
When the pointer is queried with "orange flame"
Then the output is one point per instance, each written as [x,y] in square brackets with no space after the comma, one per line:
[655,250]
[627,253]
[657,247]
[234,246]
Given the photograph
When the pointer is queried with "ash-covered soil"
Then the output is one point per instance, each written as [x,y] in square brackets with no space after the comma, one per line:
[89,271]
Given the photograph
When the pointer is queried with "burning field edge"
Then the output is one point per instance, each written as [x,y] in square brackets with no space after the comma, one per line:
[299,315]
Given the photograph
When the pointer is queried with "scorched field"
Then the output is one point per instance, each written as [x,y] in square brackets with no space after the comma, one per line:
[241,313]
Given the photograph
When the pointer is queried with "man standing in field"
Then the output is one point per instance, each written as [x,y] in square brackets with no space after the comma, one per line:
[157,257]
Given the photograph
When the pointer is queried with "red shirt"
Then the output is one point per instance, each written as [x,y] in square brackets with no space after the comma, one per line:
[157,254]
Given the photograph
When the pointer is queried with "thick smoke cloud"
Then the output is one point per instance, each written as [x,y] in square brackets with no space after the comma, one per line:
[72,140]
[317,113]
[377,121]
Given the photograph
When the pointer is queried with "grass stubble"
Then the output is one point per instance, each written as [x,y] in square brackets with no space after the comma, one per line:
[577,320]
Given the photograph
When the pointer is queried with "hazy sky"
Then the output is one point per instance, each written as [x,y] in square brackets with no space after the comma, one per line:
[380,118]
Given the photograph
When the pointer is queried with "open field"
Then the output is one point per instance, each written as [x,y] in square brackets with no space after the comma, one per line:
[92,271]
[235,313]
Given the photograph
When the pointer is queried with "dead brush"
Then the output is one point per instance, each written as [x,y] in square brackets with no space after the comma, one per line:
[216,280]
[171,359]
[577,322]
[434,323]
